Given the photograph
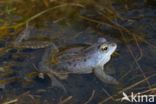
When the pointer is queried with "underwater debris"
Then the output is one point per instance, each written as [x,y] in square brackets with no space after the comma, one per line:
[90,13]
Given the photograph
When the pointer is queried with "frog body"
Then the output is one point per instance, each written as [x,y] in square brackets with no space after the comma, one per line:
[82,61]
[76,60]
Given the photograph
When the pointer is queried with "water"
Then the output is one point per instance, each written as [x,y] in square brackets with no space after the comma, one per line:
[81,88]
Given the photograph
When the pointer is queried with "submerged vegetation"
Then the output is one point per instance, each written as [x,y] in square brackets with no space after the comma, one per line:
[65,21]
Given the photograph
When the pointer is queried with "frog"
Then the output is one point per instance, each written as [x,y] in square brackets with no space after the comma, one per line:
[91,59]
[76,60]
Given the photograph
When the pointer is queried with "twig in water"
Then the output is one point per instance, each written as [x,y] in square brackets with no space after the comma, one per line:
[125,89]
[11,101]
[53,8]
[110,96]
[90,98]
[65,100]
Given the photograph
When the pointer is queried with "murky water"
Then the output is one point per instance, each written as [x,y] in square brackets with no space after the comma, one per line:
[134,62]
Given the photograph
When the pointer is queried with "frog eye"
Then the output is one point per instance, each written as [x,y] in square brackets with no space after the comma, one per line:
[103,48]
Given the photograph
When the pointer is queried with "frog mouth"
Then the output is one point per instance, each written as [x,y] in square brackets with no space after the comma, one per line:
[115,54]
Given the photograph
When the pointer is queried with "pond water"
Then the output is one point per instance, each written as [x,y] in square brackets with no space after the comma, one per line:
[134,60]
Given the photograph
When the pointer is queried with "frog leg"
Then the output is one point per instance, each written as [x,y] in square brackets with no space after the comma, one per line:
[99,72]
[20,43]
[56,83]
[46,58]
[24,35]
[44,66]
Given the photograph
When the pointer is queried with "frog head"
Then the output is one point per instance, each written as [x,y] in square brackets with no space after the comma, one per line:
[105,49]
[101,51]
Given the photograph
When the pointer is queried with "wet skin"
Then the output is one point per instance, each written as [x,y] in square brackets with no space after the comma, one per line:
[76,60]
[81,60]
